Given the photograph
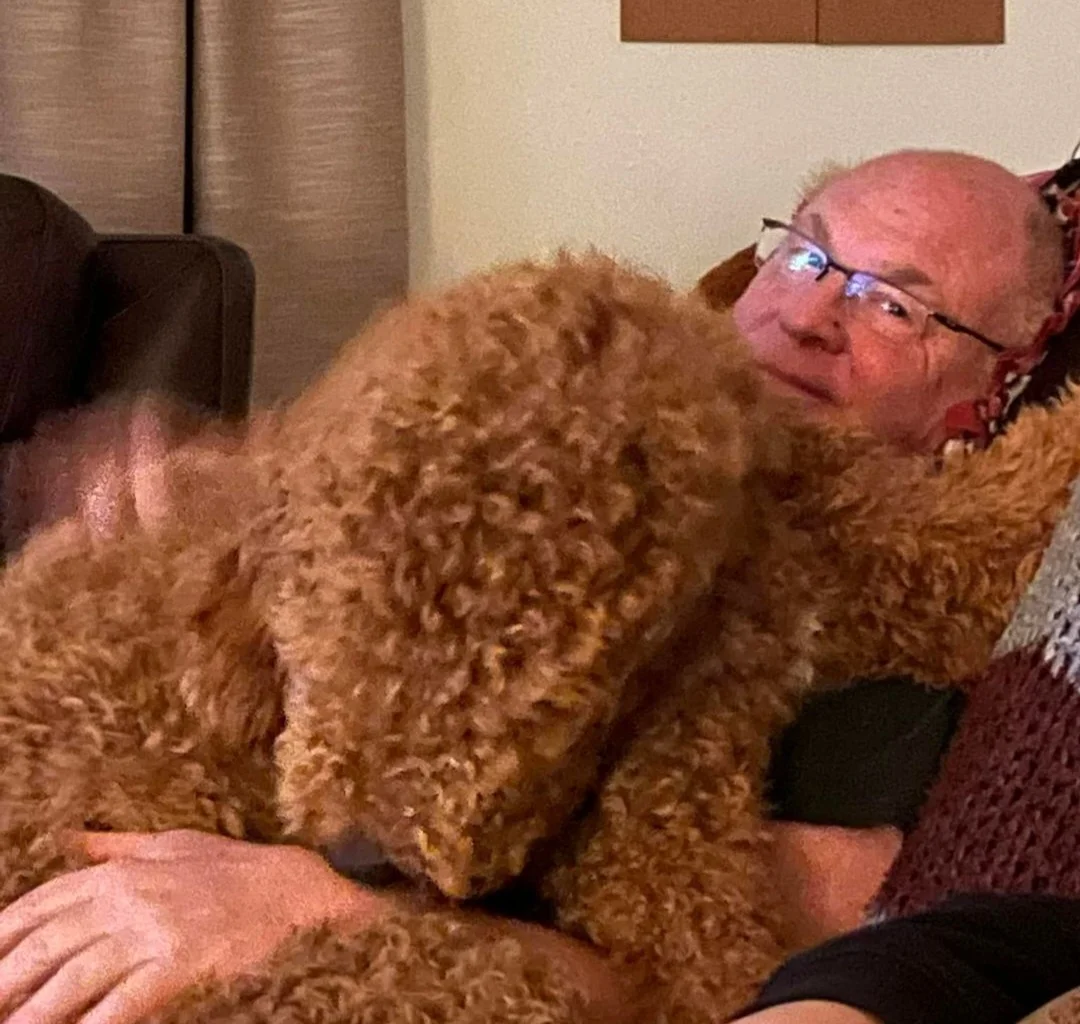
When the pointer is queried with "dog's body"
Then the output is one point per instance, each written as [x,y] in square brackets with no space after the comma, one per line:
[539,534]
[904,569]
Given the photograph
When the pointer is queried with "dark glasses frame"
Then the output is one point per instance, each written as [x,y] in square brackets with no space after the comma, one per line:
[770,223]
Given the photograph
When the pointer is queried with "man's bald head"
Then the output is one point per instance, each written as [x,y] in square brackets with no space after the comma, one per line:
[969,241]
[987,206]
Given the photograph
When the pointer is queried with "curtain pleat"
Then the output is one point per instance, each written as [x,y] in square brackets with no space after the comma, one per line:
[299,155]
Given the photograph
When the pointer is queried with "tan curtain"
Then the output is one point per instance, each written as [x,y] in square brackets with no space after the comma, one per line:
[300,156]
[296,124]
[92,106]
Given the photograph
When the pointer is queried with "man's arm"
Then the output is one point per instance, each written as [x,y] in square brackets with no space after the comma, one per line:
[991,959]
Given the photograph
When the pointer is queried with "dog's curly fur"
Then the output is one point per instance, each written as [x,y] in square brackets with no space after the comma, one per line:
[538,536]
[907,569]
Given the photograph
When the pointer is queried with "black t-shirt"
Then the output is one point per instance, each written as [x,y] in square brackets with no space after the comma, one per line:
[990,959]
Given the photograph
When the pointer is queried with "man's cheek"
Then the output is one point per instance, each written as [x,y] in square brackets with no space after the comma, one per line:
[881,394]
[899,415]
[767,341]
[884,378]
[753,311]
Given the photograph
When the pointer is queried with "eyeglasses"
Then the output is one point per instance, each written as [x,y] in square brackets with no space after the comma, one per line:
[889,311]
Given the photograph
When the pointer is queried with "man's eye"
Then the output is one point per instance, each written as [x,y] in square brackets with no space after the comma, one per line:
[803,259]
[892,307]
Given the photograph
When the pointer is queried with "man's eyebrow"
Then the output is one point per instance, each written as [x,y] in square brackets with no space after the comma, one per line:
[904,276]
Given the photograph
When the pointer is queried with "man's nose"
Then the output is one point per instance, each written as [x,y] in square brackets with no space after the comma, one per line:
[813,314]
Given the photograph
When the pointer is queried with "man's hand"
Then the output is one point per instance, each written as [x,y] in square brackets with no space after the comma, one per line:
[156,913]
[123,465]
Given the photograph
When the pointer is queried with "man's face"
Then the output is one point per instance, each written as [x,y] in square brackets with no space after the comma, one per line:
[920,222]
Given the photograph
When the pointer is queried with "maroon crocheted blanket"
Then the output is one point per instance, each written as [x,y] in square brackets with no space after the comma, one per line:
[1004,815]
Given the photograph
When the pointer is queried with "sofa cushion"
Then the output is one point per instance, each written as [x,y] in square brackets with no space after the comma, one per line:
[45,300]
[172,315]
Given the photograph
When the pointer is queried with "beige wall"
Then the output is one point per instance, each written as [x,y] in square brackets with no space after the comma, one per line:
[531,125]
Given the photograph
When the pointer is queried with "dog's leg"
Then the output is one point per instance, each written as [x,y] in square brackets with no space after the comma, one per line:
[674,874]
[438,967]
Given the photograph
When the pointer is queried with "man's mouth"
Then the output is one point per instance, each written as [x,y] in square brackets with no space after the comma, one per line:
[817,390]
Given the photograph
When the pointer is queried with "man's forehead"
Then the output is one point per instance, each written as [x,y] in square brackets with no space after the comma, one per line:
[950,196]
[901,269]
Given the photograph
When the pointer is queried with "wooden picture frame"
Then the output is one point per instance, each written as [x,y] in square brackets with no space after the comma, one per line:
[832,22]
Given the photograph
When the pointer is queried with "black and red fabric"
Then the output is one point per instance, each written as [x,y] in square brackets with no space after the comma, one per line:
[1017,377]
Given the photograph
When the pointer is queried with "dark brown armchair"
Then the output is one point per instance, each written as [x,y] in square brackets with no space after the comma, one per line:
[83,316]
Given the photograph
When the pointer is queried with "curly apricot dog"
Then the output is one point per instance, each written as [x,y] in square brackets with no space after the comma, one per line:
[537,538]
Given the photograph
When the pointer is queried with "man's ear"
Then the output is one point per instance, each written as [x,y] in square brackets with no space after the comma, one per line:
[231,679]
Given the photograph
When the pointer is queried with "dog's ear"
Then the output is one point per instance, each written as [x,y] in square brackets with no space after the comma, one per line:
[231,680]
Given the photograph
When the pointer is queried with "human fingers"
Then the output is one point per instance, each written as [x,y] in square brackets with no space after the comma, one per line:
[145,990]
[70,890]
[43,950]
[149,446]
[90,974]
